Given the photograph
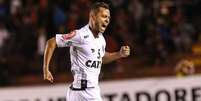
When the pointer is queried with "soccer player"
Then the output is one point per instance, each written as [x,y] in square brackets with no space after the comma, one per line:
[87,52]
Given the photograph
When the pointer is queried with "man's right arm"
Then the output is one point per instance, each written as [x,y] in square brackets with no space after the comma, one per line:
[49,50]
[60,40]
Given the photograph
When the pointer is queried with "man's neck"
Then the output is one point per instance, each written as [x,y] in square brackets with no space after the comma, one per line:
[94,32]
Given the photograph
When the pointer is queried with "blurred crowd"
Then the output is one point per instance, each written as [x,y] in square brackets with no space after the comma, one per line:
[155,30]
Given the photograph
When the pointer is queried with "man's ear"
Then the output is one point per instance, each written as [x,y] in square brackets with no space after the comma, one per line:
[92,15]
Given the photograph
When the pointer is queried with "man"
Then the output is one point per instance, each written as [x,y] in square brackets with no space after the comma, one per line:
[87,50]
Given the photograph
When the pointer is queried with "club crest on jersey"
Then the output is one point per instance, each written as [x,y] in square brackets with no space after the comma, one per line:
[69,35]
[93,64]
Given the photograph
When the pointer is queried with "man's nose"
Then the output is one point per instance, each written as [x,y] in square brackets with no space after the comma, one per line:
[107,21]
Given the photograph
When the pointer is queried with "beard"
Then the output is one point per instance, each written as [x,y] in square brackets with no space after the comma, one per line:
[101,28]
[98,28]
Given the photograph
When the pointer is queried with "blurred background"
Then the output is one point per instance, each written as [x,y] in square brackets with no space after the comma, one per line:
[161,33]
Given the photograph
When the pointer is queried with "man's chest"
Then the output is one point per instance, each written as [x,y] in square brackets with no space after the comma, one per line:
[93,48]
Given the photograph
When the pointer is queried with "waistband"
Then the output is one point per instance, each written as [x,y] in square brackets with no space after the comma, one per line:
[79,89]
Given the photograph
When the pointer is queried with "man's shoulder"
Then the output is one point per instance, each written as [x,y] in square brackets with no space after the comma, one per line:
[83,28]
[83,31]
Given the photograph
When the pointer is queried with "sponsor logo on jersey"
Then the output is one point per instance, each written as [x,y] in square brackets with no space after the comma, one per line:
[86,36]
[69,43]
[69,35]
[93,64]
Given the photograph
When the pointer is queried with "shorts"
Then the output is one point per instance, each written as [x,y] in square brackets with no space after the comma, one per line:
[88,94]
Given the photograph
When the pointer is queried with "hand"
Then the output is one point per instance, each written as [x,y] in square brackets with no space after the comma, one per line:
[124,51]
[185,67]
[48,76]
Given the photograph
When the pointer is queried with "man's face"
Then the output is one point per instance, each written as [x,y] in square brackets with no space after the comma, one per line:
[101,19]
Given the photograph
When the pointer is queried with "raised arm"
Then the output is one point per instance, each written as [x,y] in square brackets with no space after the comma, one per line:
[49,50]
[109,57]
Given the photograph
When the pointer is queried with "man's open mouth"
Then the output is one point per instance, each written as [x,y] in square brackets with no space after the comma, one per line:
[104,26]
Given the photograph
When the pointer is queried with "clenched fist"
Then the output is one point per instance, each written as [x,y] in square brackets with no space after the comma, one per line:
[124,51]
[48,76]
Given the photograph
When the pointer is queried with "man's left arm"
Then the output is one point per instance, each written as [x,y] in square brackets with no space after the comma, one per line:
[109,57]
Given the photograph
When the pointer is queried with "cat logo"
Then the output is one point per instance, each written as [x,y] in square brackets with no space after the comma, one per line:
[93,64]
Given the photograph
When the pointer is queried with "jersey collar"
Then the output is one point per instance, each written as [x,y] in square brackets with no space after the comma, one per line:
[87,26]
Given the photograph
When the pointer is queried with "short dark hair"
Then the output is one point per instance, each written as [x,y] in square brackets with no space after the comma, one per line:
[95,6]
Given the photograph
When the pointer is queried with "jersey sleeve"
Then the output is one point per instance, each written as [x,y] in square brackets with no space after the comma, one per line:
[66,40]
